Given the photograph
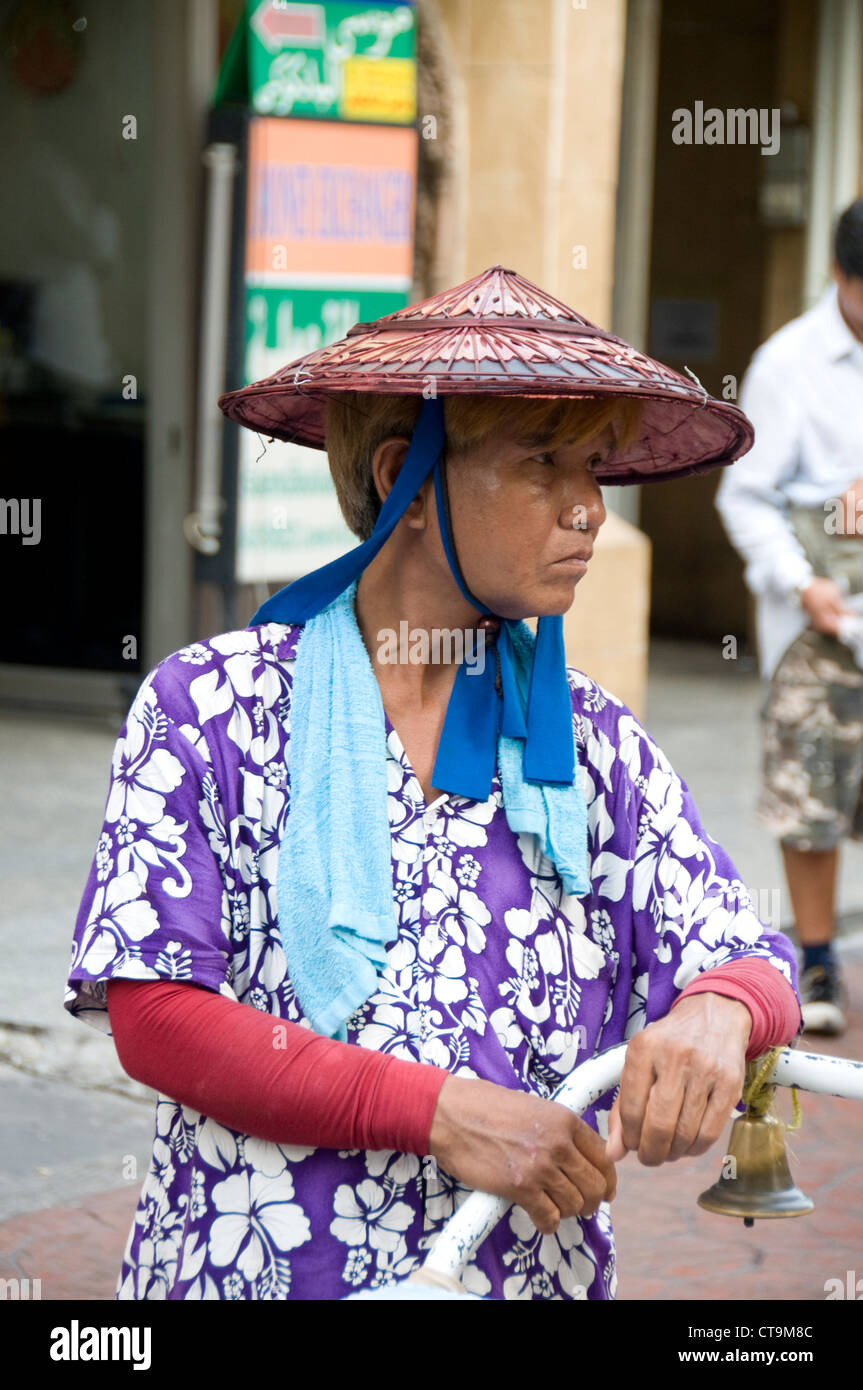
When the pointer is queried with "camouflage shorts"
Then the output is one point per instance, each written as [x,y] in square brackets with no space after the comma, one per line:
[812,717]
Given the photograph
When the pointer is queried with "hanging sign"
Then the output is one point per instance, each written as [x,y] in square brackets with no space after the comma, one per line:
[336,61]
[329,242]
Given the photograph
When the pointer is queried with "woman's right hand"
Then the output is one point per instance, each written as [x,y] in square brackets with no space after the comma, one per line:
[824,604]
[534,1152]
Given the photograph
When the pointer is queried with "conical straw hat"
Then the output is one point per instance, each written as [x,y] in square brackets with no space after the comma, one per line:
[500,333]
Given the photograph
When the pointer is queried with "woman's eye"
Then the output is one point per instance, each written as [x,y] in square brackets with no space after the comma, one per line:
[545,458]
[595,461]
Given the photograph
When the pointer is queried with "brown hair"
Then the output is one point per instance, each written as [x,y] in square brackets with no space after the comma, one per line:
[357,422]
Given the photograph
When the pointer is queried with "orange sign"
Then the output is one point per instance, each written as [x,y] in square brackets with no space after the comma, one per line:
[329,199]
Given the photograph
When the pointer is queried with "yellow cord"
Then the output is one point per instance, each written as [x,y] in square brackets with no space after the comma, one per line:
[758,1096]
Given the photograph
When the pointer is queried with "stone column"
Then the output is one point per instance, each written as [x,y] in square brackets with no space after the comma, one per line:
[539,88]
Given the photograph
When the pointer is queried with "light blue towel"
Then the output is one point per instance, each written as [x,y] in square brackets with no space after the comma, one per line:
[334,884]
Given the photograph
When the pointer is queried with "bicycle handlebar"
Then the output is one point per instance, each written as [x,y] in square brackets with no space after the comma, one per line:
[477,1217]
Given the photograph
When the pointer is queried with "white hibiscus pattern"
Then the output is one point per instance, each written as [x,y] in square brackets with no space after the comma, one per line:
[496,973]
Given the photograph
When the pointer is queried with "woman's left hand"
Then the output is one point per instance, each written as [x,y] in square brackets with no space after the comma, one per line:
[681,1079]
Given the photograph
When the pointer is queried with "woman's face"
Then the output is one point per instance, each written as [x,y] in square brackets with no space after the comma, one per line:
[525,519]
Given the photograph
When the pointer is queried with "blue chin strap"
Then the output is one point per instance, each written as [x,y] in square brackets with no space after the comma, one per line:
[481,706]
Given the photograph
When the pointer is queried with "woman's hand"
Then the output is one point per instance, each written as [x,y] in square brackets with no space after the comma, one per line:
[681,1079]
[515,1145]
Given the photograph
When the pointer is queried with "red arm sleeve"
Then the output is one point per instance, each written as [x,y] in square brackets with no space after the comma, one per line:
[265,1076]
[766,993]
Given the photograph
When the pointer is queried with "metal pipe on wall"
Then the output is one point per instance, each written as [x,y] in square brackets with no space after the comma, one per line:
[202,527]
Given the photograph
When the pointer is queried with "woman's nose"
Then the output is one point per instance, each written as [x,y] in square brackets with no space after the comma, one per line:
[587,514]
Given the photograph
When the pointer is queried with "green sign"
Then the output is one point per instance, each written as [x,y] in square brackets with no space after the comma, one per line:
[289,521]
[338,61]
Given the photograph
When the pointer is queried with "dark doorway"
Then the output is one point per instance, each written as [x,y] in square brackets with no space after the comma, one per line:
[715,262]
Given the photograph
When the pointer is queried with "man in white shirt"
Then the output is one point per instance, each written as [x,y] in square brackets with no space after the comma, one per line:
[790,507]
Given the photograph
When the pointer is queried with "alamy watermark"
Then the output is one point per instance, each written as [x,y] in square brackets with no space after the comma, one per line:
[21,518]
[437,646]
[765,903]
[20,1289]
[77,1343]
[734,126]
[844,515]
[850,1287]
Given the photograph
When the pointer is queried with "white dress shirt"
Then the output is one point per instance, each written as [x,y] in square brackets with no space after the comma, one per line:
[803,393]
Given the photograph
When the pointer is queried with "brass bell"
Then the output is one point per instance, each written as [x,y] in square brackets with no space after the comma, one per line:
[756,1180]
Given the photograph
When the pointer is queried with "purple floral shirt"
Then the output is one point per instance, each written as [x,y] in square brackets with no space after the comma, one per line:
[496,973]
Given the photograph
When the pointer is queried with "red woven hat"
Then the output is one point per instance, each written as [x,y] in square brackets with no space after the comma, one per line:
[500,333]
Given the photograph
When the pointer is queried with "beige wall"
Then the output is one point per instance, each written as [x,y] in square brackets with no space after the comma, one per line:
[540,105]
[606,629]
[536,102]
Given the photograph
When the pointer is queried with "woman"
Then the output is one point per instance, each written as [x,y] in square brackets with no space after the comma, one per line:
[539,886]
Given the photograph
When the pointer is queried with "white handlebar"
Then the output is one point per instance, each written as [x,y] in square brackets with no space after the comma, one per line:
[477,1217]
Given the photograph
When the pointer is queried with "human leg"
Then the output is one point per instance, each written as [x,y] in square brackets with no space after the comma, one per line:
[811,877]
[813,770]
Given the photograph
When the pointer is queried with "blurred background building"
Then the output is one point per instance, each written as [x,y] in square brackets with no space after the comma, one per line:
[541,137]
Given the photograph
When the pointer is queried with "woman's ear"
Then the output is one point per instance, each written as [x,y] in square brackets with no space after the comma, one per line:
[387,460]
